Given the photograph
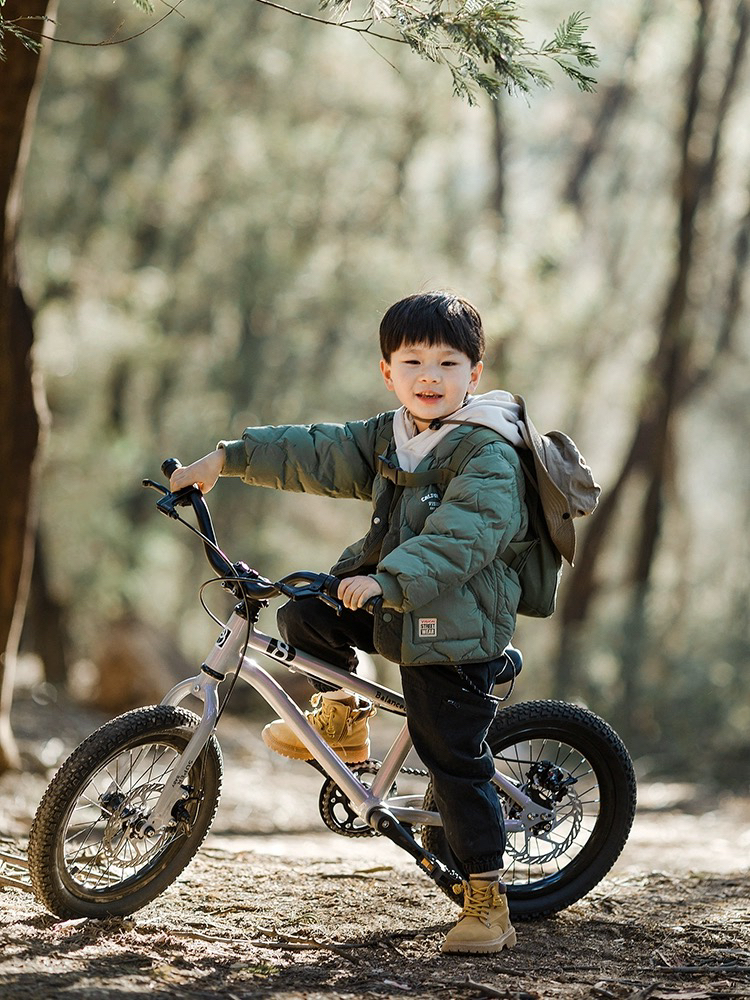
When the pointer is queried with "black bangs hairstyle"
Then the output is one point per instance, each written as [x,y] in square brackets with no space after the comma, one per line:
[433,318]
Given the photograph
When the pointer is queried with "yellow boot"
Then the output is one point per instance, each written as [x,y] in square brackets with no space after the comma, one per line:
[484,924]
[342,724]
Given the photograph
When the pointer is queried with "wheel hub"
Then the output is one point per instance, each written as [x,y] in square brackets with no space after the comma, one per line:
[551,787]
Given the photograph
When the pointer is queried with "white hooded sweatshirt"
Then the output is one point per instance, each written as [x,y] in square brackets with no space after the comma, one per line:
[496,409]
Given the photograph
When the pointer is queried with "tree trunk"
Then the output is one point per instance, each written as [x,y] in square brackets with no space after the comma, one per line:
[44,628]
[20,394]
[668,384]
[499,156]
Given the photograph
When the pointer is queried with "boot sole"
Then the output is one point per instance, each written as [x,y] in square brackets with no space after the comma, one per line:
[354,756]
[507,940]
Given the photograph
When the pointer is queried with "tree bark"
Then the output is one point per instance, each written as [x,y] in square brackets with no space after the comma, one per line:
[21,398]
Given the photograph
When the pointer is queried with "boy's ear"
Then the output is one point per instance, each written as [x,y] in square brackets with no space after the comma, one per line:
[385,369]
[476,373]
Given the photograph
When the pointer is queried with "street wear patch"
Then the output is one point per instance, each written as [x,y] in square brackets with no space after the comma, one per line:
[427,628]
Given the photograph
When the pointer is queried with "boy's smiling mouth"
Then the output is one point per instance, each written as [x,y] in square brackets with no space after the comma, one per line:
[428,395]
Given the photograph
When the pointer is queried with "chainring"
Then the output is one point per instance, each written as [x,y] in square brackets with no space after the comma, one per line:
[336,810]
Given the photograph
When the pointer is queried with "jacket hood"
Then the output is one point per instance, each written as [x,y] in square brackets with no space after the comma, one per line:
[497,410]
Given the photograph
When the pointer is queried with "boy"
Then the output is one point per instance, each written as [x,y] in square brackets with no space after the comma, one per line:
[448,602]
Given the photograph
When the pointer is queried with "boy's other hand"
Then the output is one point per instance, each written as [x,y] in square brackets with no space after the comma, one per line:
[355,591]
[202,473]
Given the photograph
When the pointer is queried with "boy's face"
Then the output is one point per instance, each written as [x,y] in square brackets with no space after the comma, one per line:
[430,382]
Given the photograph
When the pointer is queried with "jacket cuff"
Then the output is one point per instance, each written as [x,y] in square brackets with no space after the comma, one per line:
[235,458]
[393,596]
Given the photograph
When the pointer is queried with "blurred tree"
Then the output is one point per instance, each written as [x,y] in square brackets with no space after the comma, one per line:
[670,377]
[612,101]
[224,226]
[21,403]
[483,48]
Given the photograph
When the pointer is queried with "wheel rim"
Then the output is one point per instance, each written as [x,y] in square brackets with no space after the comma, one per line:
[98,856]
[559,776]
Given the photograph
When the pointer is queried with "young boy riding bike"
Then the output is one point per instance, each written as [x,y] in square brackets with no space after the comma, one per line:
[447,600]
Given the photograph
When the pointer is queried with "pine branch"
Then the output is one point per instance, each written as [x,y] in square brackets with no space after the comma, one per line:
[568,41]
[481,42]
[16,29]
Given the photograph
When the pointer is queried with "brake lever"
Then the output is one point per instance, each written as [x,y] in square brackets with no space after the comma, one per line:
[149,484]
[319,585]
[332,602]
[182,498]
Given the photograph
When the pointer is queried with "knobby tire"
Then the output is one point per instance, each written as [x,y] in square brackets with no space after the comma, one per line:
[81,861]
[548,873]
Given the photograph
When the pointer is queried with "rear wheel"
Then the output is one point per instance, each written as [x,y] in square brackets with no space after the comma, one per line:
[568,760]
[84,858]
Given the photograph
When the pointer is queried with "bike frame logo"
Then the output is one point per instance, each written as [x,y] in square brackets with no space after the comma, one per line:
[280,650]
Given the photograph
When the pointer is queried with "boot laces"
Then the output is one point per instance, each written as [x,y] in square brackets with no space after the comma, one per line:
[479,900]
[323,716]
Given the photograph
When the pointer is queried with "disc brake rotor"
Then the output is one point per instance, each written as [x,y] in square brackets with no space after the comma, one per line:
[552,787]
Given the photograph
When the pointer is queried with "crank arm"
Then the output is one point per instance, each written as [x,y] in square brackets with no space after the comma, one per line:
[383,821]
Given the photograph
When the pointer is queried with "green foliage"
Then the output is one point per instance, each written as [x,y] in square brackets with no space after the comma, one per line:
[484,48]
[568,42]
[480,41]
[18,30]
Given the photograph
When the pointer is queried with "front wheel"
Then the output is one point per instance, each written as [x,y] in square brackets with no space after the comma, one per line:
[84,858]
[568,760]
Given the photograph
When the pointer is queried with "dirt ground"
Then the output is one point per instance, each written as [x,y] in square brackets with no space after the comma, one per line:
[276,906]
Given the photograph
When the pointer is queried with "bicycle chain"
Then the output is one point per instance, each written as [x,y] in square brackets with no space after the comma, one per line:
[419,772]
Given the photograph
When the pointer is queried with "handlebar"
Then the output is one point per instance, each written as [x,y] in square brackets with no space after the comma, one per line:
[239,578]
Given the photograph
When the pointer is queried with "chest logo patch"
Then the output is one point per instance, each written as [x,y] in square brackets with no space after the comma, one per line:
[427,628]
[432,499]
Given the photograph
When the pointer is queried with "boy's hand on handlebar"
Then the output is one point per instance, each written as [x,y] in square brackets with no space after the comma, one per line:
[202,473]
[355,591]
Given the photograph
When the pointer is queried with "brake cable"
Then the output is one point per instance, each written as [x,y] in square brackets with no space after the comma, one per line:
[242,595]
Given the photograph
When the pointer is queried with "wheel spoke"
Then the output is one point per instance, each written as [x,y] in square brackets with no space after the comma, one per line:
[549,772]
[98,848]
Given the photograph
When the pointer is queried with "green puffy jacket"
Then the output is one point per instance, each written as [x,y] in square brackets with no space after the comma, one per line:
[447,597]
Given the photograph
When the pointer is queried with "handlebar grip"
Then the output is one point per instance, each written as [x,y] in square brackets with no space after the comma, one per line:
[170,465]
[330,585]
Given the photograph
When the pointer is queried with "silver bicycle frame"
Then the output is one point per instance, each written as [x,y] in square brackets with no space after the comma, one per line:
[223,660]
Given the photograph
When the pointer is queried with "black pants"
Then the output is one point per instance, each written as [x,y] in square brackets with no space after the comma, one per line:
[447,722]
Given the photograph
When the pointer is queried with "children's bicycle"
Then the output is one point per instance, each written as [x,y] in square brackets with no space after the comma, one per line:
[131,805]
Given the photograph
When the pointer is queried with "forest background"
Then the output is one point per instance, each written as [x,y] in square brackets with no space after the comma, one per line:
[216,216]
